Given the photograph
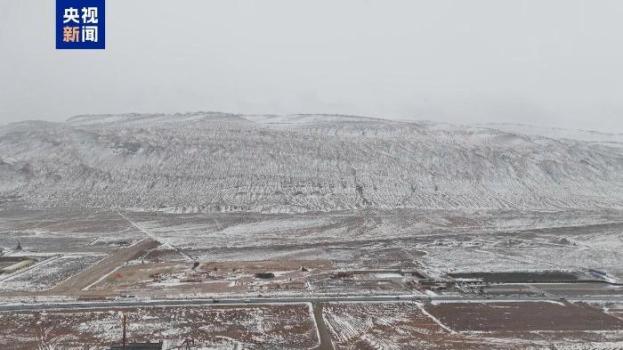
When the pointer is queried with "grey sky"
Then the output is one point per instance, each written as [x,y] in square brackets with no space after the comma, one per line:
[557,63]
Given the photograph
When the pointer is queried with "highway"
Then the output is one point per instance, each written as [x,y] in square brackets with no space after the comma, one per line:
[138,303]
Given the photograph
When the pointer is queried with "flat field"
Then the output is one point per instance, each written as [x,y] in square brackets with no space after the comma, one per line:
[241,327]
[460,280]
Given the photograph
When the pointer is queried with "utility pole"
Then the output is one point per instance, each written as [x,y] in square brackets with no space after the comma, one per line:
[124,333]
[188,342]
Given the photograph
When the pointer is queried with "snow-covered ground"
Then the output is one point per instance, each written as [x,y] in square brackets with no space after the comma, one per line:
[48,273]
[250,327]
[220,162]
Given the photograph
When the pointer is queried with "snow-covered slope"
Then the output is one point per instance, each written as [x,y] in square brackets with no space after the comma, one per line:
[614,139]
[220,162]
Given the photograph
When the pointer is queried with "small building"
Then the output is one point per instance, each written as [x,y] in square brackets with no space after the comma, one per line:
[138,346]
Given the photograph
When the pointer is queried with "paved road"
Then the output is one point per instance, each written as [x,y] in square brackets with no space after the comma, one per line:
[131,303]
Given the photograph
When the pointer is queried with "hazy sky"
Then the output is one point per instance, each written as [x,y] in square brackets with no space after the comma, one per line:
[557,63]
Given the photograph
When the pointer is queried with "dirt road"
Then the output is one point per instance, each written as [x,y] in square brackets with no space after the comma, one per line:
[75,284]
[323,332]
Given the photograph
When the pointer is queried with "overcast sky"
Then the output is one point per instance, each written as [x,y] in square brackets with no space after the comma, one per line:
[557,63]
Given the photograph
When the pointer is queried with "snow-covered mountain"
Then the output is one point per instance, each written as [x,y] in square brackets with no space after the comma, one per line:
[221,162]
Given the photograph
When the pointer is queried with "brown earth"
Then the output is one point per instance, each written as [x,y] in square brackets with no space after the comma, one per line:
[523,316]
[252,327]
[76,283]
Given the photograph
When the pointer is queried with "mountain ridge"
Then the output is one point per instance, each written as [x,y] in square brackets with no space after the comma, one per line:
[211,161]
